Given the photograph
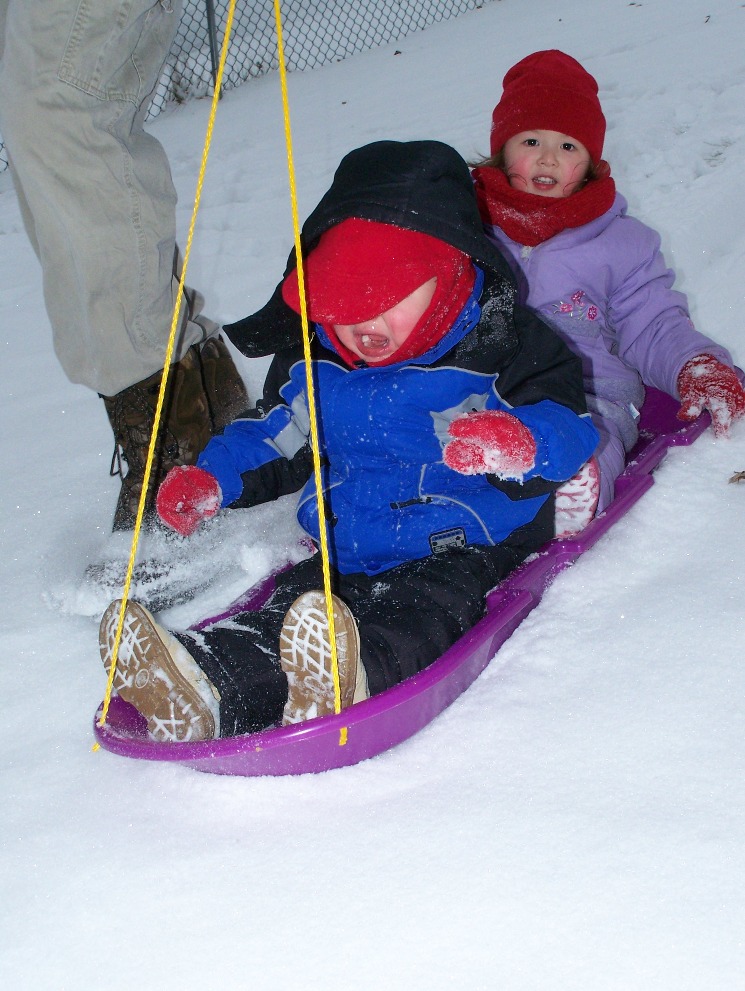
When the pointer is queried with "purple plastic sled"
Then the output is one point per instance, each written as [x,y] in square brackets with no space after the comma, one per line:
[370,727]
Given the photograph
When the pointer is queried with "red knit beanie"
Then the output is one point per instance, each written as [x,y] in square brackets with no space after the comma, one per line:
[361,268]
[549,91]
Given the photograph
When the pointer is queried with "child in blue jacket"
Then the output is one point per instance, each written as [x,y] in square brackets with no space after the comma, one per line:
[447,417]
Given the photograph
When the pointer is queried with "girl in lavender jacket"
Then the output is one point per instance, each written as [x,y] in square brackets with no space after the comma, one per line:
[592,272]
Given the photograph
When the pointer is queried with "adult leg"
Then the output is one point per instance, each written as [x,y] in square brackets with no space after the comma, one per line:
[97,192]
[98,203]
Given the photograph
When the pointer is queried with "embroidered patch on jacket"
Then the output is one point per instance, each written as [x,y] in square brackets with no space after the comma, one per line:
[578,307]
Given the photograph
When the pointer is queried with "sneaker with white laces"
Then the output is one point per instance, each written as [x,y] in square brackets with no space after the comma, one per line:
[305,657]
[159,677]
[577,500]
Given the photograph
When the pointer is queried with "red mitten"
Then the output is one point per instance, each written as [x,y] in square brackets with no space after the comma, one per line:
[187,495]
[492,442]
[705,383]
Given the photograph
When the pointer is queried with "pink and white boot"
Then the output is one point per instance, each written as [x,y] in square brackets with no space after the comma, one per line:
[577,500]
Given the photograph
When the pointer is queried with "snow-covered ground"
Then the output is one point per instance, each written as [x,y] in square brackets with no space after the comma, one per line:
[576,819]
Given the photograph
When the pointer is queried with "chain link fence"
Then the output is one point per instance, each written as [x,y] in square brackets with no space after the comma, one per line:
[314,32]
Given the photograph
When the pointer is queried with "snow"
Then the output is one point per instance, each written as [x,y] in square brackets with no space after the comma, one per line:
[576,819]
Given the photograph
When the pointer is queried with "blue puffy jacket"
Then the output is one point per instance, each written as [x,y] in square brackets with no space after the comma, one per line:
[389,498]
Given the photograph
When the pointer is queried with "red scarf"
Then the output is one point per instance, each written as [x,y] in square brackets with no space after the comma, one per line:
[442,312]
[531,219]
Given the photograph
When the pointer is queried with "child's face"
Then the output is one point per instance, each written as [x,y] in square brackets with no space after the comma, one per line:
[377,339]
[545,163]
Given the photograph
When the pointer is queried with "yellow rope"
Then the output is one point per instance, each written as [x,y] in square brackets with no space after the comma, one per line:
[166,367]
[309,373]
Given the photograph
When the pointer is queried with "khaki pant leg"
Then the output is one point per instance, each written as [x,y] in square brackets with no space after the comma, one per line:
[95,189]
[3,18]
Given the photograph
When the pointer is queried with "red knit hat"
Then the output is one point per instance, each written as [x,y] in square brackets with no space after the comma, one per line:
[549,91]
[361,268]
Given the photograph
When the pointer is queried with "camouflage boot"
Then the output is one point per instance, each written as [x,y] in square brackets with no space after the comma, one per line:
[187,423]
[225,389]
[223,385]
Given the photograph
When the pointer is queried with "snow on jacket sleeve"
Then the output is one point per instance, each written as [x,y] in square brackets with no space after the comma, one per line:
[653,327]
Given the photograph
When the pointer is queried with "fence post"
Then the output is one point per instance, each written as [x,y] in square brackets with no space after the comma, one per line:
[212,31]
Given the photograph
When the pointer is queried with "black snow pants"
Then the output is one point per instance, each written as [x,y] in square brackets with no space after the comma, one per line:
[407,617]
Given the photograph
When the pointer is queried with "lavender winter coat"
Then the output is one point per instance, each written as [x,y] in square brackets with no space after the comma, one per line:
[606,290]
